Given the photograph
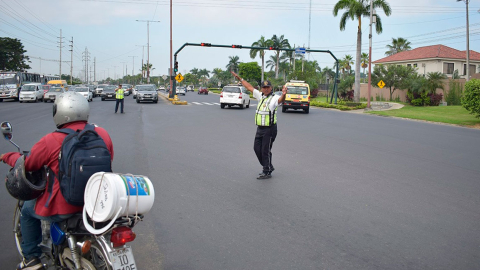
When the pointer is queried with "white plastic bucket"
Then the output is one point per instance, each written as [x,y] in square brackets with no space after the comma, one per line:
[111,195]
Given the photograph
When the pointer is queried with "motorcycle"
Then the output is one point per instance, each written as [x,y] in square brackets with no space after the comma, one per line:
[75,244]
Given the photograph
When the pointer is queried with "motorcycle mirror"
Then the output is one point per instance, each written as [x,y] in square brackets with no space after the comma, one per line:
[6,128]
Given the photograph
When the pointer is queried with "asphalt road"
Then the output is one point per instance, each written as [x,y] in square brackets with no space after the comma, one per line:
[350,191]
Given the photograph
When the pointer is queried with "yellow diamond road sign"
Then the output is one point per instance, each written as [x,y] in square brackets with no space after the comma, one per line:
[179,77]
[381,84]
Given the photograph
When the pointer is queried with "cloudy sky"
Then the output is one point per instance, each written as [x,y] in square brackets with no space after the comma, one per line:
[117,41]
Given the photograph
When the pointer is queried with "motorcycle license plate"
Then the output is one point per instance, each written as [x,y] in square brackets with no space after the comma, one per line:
[122,259]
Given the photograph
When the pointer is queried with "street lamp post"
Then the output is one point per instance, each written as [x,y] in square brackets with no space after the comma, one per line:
[468,41]
[148,47]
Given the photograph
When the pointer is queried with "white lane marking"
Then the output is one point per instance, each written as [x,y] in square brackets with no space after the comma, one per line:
[197,103]
[216,103]
[206,103]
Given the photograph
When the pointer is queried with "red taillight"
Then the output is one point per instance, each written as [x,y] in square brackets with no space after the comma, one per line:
[221,94]
[240,96]
[122,235]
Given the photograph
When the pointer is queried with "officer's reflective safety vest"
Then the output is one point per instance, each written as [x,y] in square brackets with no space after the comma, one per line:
[263,116]
[119,94]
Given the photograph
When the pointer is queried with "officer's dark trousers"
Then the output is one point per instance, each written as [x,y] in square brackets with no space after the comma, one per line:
[263,145]
[121,107]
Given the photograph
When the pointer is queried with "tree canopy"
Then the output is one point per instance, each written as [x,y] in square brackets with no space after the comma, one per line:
[12,55]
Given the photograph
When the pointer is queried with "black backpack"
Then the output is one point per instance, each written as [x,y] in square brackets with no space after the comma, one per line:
[82,154]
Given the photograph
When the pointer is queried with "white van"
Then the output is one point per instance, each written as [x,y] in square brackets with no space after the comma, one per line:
[31,92]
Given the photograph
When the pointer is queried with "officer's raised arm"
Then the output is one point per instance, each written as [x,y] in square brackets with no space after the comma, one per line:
[247,85]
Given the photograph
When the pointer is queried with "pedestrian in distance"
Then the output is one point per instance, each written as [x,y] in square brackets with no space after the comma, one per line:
[120,98]
[266,121]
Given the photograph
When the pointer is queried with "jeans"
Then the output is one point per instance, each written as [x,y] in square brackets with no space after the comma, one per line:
[116,105]
[32,230]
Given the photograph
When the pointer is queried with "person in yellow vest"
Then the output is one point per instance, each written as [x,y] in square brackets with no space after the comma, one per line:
[266,121]
[120,97]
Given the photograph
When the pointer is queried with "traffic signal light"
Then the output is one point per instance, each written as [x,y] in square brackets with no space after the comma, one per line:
[175,68]
[237,46]
[272,48]
[206,44]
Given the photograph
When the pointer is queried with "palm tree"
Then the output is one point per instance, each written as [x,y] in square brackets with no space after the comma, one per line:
[356,9]
[262,42]
[364,58]
[204,73]
[279,43]
[434,81]
[273,61]
[348,62]
[398,45]
[233,63]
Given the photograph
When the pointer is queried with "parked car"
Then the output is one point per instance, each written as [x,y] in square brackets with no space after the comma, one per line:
[147,92]
[84,91]
[190,88]
[109,93]
[161,88]
[234,95]
[202,90]
[31,92]
[180,90]
[53,93]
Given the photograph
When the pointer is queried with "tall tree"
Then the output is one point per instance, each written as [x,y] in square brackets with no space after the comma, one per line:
[364,59]
[204,74]
[233,63]
[279,43]
[398,45]
[262,42]
[356,9]
[12,55]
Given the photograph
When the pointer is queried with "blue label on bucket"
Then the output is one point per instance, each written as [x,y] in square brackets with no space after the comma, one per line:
[131,184]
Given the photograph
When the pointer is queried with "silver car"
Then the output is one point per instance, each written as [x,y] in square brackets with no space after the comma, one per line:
[53,93]
[147,92]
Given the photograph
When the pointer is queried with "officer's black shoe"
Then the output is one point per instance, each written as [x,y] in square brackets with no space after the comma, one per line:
[264,176]
[32,264]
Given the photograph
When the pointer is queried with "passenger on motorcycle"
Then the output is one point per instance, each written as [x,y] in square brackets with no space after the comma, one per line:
[70,110]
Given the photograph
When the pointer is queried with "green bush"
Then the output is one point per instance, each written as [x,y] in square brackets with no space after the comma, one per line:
[417,102]
[454,94]
[339,106]
[471,97]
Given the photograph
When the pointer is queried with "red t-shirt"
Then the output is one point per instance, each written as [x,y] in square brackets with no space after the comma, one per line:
[45,152]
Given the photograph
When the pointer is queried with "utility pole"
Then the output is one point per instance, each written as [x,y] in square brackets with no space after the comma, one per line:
[148,47]
[60,62]
[123,70]
[114,72]
[71,61]
[468,41]
[86,58]
[171,53]
[369,57]
[94,69]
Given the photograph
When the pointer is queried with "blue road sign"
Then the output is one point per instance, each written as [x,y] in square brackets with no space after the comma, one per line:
[299,50]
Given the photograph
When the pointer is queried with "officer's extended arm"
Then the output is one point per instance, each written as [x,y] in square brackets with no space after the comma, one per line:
[247,85]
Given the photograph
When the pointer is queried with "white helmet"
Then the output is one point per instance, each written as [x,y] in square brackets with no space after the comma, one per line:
[70,107]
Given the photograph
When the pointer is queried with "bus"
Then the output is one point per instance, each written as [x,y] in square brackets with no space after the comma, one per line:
[12,81]
[45,78]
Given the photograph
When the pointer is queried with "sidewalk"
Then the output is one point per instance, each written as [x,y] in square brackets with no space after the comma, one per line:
[379,106]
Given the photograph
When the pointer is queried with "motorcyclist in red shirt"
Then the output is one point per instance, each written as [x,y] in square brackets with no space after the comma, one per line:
[70,110]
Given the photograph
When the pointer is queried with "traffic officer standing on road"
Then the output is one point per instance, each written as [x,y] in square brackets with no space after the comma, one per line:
[120,97]
[266,121]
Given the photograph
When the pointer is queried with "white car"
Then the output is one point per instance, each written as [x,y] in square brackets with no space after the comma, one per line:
[84,91]
[234,95]
[31,92]
[181,90]
[190,88]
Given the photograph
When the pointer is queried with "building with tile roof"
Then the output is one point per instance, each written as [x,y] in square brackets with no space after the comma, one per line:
[435,58]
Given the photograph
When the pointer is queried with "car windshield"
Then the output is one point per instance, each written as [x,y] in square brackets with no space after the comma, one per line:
[55,89]
[109,88]
[145,88]
[81,89]
[297,90]
[56,84]
[231,89]
[28,88]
